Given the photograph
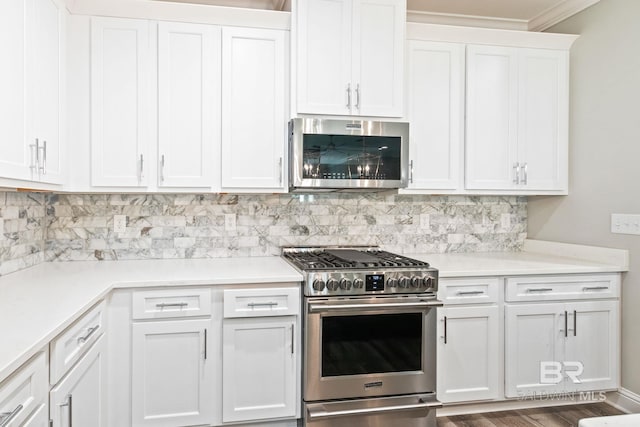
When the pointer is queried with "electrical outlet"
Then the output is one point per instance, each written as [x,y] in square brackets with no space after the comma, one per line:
[625,224]
[120,223]
[230,222]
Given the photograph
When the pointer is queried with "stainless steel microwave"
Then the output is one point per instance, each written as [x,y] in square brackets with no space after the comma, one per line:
[347,154]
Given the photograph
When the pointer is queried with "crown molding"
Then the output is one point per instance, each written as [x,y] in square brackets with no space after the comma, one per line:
[559,13]
[422,17]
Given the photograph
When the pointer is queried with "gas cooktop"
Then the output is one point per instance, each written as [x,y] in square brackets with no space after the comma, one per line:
[359,270]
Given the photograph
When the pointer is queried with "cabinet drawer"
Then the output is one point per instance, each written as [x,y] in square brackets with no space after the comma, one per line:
[567,287]
[24,391]
[261,302]
[70,345]
[166,303]
[481,290]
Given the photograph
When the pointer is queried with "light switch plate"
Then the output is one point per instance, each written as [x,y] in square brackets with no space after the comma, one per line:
[625,224]
[119,223]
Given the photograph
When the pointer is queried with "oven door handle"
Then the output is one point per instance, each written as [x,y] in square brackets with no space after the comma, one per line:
[321,412]
[322,308]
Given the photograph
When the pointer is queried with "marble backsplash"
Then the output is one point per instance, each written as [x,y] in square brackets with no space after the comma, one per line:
[80,227]
[22,230]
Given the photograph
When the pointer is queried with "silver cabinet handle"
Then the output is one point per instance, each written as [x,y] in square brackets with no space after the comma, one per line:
[89,333]
[205,343]
[469,292]
[575,323]
[7,417]
[516,173]
[172,304]
[293,338]
[162,168]
[262,304]
[566,323]
[319,308]
[411,171]
[321,412]
[358,96]
[280,169]
[141,166]
[524,170]
[539,289]
[349,95]
[43,168]
[35,162]
[594,288]
[69,405]
[445,329]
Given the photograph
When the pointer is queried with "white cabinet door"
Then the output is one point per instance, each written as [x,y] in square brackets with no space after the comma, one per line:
[172,374]
[79,398]
[119,75]
[543,118]
[468,349]
[492,97]
[253,108]
[436,114]
[378,57]
[189,108]
[40,418]
[534,333]
[44,88]
[15,158]
[593,340]
[259,365]
[324,56]
[350,57]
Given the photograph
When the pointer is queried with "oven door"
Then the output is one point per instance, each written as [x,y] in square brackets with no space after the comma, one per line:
[369,346]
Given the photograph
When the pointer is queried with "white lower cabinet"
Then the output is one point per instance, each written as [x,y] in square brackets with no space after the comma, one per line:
[259,378]
[40,418]
[561,347]
[468,354]
[172,373]
[79,398]
[25,392]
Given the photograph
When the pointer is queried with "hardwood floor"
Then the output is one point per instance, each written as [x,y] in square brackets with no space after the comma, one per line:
[559,416]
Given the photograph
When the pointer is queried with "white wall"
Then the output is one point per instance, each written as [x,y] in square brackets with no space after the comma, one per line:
[604,152]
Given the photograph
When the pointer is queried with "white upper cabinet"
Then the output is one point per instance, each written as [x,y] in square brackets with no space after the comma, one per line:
[517,119]
[350,57]
[188,104]
[119,102]
[31,37]
[436,114]
[254,118]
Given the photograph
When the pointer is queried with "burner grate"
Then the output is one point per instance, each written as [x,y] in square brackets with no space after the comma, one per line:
[332,259]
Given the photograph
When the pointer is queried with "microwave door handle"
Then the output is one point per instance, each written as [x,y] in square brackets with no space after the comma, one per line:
[322,308]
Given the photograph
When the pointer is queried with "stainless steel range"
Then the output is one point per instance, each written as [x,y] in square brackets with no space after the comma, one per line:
[369,337]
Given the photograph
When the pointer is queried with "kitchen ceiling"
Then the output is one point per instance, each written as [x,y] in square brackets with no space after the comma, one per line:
[526,15]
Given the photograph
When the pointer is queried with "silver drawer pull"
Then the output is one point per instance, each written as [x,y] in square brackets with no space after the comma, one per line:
[7,417]
[89,333]
[324,413]
[262,304]
[595,288]
[470,292]
[539,289]
[172,304]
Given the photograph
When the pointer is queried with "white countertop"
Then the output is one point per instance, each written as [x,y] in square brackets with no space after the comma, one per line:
[38,303]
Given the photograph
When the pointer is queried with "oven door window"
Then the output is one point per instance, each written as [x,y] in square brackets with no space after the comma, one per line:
[371,344]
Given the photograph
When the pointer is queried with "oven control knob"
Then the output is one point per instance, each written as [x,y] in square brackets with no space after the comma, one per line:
[392,283]
[345,284]
[318,284]
[428,282]
[404,282]
[416,281]
[358,283]
[332,284]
